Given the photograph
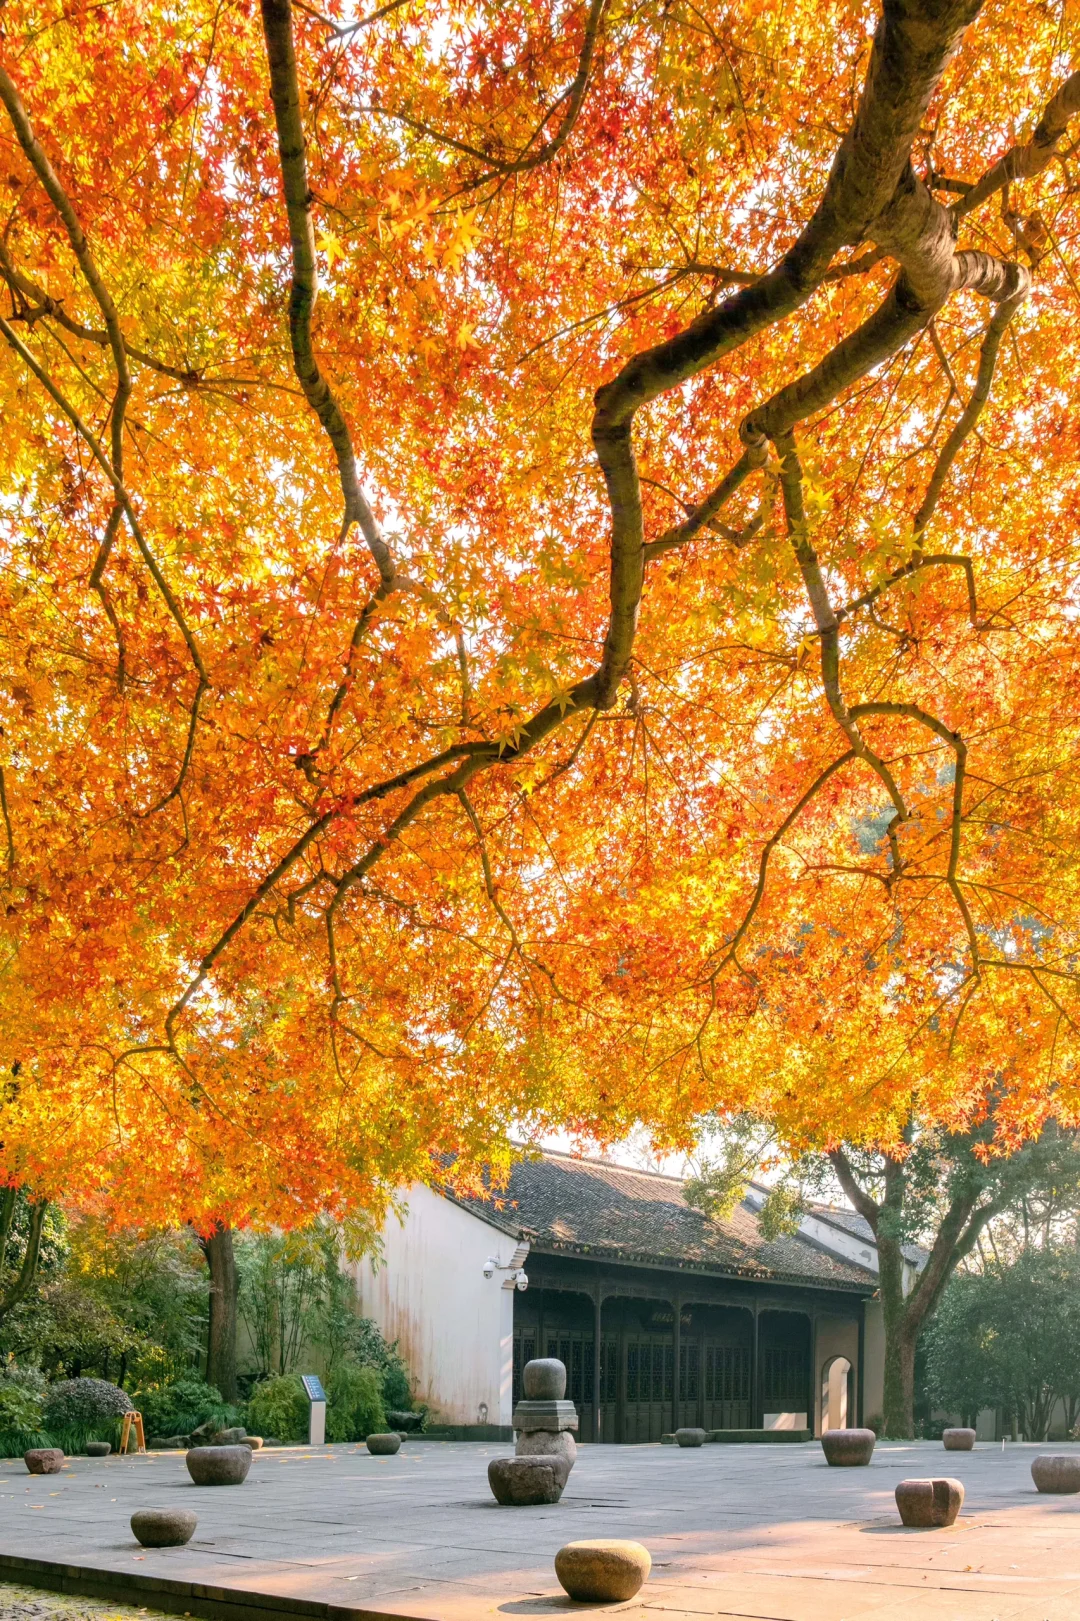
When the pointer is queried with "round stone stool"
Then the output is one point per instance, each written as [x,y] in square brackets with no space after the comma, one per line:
[544,1379]
[219,1466]
[690,1437]
[524,1481]
[602,1572]
[929,1505]
[384,1445]
[958,1440]
[1056,1472]
[44,1460]
[848,1449]
[98,1449]
[163,1527]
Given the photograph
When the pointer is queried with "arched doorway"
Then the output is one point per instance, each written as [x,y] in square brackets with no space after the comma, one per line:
[835,1394]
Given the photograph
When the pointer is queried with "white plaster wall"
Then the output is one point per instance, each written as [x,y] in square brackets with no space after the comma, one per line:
[836,1336]
[987,1427]
[454,1327]
[840,1242]
[874,1361]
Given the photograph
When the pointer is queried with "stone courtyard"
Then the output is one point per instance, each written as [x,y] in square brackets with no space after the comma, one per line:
[769,1532]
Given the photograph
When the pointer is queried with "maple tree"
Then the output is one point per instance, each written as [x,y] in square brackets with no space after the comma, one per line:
[389,760]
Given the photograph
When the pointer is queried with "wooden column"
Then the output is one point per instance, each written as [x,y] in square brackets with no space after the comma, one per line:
[699,1417]
[676,1347]
[860,1368]
[757,1413]
[815,1381]
[598,1313]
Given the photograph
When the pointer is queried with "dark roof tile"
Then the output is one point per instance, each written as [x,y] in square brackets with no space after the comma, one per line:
[587,1206]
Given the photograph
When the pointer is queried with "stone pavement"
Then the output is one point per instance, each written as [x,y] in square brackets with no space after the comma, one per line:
[735,1531]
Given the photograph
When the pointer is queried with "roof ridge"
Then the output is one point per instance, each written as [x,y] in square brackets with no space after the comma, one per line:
[607,1164]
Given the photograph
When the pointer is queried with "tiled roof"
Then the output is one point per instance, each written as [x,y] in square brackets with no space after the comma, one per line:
[589,1207]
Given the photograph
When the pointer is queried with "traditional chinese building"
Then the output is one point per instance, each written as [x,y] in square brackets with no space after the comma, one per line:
[662,1316]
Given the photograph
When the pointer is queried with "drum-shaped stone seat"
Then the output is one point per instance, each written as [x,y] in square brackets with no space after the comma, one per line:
[848,1449]
[602,1571]
[44,1460]
[1056,1472]
[163,1527]
[929,1505]
[218,1466]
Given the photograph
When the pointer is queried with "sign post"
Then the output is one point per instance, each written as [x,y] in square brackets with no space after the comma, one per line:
[317,1397]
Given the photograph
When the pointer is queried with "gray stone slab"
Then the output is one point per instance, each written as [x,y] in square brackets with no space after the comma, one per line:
[338,1535]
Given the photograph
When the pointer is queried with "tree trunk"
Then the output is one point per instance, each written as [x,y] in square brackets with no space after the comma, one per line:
[19,1287]
[901,1336]
[224,1290]
[899,1398]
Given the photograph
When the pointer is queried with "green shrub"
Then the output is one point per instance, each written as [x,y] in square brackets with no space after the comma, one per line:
[20,1408]
[355,1406]
[27,1378]
[279,1407]
[72,1438]
[13,1443]
[179,1408]
[84,1404]
[396,1390]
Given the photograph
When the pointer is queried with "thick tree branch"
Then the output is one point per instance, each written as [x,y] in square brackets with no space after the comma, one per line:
[285,95]
[867,1208]
[24,1280]
[909,54]
[81,248]
[1026,161]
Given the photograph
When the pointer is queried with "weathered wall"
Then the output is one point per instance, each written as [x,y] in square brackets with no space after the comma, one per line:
[454,1327]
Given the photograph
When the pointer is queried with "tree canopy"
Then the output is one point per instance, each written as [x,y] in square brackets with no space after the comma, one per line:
[540,565]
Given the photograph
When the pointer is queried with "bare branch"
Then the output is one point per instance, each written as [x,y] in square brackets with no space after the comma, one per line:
[914,566]
[124,501]
[703,516]
[770,845]
[10,836]
[959,747]
[525,161]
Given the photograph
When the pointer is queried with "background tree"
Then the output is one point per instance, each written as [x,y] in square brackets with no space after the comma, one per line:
[117,1305]
[928,1210]
[1009,1337]
[942,1193]
[535,585]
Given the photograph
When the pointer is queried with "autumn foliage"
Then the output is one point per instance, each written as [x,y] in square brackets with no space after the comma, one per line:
[399,750]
